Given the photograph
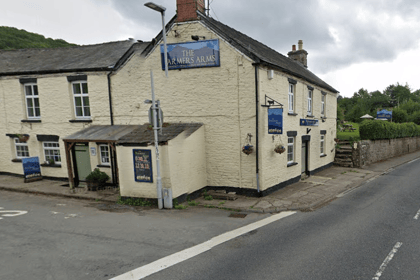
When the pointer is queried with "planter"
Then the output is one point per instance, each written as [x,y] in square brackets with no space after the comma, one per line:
[279,149]
[247,149]
[23,137]
[93,185]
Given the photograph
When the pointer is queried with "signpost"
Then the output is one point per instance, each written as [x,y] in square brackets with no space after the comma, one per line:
[31,169]
[143,166]
[275,120]
[192,55]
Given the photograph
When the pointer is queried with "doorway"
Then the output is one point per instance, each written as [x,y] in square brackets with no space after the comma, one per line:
[82,161]
[305,155]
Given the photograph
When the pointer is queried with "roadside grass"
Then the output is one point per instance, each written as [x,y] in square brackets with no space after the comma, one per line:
[347,135]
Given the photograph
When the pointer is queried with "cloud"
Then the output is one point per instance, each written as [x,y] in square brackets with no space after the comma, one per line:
[336,33]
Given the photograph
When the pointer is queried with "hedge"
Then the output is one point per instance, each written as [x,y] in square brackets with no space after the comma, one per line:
[374,130]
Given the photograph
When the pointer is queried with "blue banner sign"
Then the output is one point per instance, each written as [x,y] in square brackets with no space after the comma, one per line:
[192,55]
[384,114]
[275,121]
[31,167]
[143,166]
[309,122]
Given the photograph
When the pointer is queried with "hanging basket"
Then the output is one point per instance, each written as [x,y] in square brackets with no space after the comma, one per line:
[279,149]
[247,149]
[23,137]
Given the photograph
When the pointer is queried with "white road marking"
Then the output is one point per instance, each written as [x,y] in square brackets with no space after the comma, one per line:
[416,217]
[413,160]
[16,213]
[149,269]
[386,261]
[54,213]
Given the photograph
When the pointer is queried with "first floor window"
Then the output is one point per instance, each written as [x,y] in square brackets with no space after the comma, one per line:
[52,152]
[32,101]
[290,149]
[310,102]
[22,150]
[81,100]
[291,98]
[323,105]
[104,153]
[322,146]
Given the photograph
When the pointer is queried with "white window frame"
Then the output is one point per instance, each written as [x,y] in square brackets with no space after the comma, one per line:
[322,145]
[322,105]
[33,88]
[291,98]
[21,148]
[290,149]
[104,148]
[310,97]
[48,149]
[82,95]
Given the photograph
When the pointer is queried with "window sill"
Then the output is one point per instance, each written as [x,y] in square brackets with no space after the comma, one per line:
[81,121]
[292,164]
[292,114]
[103,166]
[310,116]
[51,165]
[17,160]
[31,121]
[323,155]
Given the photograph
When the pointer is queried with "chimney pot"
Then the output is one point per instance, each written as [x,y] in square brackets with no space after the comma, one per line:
[300,43]
[294,48]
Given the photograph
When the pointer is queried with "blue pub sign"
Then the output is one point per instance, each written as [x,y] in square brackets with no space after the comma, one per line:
[192,55]
[31,167]
[309,122]
[384,114]
[275,121]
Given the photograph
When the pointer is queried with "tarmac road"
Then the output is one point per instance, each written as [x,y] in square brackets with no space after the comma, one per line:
[59,238]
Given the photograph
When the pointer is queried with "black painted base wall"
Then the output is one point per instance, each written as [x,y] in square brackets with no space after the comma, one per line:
[61,179]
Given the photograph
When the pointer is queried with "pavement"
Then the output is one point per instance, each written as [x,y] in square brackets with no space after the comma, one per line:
[306,195]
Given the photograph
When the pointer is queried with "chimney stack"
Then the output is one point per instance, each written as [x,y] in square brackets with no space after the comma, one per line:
[187,9]
[299,55]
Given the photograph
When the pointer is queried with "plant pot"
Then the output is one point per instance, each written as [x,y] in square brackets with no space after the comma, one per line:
[23,138]
[93,185]
[247,149]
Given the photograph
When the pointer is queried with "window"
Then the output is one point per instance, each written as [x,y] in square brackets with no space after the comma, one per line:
[310,102]
[81,99]
[291,98]
[290,149]
[104,154]
[22,150]
[322,147]
[32,101]
[52,152]
[323,105]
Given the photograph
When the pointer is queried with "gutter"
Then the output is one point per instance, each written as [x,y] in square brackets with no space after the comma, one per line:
[110,98]
[257,171]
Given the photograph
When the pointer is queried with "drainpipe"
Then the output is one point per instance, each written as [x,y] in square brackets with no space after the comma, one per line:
[110,98]
[257,128]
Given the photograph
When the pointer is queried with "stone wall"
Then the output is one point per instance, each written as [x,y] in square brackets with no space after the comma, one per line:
[370,151]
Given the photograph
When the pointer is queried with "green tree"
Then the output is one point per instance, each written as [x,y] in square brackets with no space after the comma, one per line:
[399,115]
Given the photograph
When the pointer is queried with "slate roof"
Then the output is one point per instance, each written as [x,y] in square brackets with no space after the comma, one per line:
[144,135]
[257,51]
[100,57]
[131,134]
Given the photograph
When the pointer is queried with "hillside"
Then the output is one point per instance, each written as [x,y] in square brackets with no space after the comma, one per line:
[13,38]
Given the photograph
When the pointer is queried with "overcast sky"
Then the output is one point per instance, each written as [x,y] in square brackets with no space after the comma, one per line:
[351,44]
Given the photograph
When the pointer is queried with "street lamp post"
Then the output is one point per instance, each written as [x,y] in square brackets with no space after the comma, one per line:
[161,10]
[156,107]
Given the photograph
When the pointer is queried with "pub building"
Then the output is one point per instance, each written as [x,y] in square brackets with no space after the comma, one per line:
[237,115]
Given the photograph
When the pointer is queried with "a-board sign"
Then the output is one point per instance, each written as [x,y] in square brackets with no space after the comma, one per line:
[31,168]
[204,53]
[143,165]
[275,121]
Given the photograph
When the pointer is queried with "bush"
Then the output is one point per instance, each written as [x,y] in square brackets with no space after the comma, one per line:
[374,130]
[97,176]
